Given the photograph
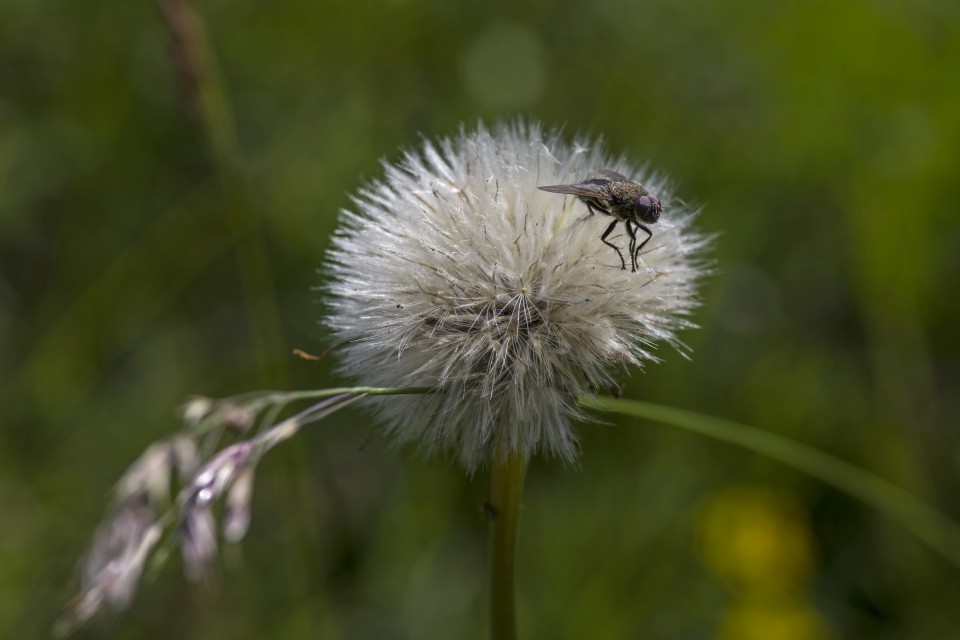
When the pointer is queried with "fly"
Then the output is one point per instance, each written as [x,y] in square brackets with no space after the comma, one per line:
[622,199]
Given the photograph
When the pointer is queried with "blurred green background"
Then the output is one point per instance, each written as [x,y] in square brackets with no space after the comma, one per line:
[822,138]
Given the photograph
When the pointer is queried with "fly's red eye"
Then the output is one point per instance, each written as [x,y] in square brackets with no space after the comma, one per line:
[647,208]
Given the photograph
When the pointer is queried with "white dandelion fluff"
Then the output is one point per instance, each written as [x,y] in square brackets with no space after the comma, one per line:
[456,272]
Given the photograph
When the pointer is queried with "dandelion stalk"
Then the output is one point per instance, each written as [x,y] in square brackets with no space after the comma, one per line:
[506,489]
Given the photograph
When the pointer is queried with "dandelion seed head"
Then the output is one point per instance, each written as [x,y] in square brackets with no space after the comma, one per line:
[455,272]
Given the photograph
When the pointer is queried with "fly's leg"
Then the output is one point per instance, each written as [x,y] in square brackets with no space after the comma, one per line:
[637,250]
[591,209]
[603,238]
[633,244]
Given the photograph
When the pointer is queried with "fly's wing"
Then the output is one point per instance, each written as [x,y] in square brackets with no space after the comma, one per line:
[584,189]
[595,187]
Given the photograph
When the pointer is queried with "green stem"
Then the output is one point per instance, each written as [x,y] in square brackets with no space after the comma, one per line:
[506,487]
[310,394]
[266,398]
[922,520]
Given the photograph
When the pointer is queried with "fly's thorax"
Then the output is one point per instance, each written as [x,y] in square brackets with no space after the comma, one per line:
[623,198]
[624,194]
